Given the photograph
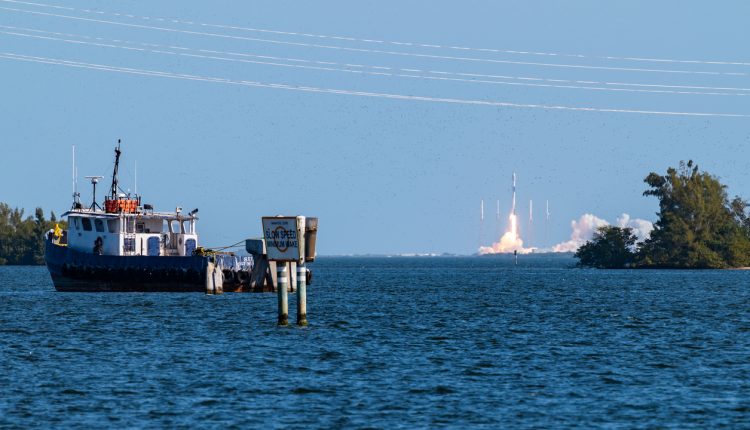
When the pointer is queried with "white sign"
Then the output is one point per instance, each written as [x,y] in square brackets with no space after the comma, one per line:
[282,236]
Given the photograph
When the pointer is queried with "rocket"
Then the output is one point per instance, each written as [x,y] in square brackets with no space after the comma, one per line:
[513,211]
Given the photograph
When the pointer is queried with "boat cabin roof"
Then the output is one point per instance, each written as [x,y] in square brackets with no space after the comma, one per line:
[88,213]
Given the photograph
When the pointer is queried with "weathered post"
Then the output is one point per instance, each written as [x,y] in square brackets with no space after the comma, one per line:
[301,295]
[218,280]
[281,292]
[261,277]
[209,280]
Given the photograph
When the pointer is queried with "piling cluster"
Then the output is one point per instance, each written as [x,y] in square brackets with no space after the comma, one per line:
[282,291]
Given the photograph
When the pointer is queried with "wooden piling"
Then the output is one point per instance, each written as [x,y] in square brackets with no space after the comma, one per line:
[281,292]
[218,280]
[209,279]
[301,295]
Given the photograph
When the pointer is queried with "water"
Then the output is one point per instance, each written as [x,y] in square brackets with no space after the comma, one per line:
[393,343]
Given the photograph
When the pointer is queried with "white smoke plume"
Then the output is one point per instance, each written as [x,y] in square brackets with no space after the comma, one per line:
[583,230]
[641,227]
[587,224]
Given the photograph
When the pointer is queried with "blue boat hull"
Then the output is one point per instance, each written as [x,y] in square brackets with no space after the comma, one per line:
[77,271]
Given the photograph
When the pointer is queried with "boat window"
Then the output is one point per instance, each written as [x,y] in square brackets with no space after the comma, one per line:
[186,227]
[139,227]
[165,226]
[76,223]
[86,224]
[154,246]
[99,224]
[112,225]
[176,227]
[189,246]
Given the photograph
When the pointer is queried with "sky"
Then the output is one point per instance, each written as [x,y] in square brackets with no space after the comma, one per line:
[388,120]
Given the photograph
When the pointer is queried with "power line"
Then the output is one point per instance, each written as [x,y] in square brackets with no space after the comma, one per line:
[376,51]
[376,41]
[142,72]
[365,72]
[556,83]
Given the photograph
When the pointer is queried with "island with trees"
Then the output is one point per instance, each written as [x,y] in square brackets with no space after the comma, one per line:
[698,227]
[22,239]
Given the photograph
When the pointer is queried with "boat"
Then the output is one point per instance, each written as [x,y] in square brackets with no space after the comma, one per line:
[128,246]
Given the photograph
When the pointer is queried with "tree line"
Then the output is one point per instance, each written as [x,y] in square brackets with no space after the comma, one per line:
[697,227]
[22,239]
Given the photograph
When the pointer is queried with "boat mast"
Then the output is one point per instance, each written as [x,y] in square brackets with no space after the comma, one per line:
[76,194]
[113,190]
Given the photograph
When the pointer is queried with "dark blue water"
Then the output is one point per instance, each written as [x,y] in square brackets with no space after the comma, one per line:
[392,343]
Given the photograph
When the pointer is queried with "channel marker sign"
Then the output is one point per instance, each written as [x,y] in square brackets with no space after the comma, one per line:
[282,238]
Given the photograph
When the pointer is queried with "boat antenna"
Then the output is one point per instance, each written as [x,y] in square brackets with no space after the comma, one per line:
[113,190]
[94,181]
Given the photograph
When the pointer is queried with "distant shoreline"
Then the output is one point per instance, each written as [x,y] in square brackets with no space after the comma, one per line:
[444,255]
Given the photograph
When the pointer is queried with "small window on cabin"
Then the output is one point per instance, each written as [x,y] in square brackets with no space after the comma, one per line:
[112,225]
[176,227]
[186,226]
[99,224]
[86,224]
[165,226]
[139,227]
[76,223]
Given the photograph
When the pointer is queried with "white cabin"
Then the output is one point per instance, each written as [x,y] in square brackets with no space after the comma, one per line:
[138,233]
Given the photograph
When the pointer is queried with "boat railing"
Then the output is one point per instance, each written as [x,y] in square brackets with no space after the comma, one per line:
[234,263]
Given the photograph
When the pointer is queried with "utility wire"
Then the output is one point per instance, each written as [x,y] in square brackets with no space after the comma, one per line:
[319,90]
[383,70]
[383,42]
[374,51]
[363,72]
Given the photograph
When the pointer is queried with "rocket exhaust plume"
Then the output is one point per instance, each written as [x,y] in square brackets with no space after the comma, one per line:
[510,241]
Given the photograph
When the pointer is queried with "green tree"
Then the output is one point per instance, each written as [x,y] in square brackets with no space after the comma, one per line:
[697,227]
[22,239]
[610,248]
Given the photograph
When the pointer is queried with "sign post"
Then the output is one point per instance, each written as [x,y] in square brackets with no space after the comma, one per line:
[285,243]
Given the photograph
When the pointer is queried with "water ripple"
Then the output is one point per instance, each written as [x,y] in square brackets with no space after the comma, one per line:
[392,343]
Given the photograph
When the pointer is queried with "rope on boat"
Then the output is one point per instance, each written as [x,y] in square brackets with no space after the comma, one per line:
[204,250]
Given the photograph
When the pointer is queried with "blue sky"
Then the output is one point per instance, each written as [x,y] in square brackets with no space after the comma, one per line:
[384,174]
